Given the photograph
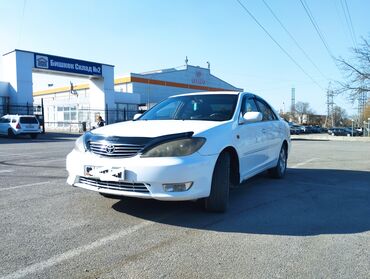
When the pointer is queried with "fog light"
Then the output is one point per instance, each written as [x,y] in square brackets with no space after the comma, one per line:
[177,187]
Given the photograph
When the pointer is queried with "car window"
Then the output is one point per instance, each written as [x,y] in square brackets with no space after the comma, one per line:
[267,113]
[248,105]
[4,120]
[218,107]
[167,112]
[28,120]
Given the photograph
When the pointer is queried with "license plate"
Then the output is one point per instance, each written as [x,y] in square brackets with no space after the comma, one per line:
[106,173]
[29,126]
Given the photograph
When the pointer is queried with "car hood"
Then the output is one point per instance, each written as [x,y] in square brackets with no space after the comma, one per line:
[155,128]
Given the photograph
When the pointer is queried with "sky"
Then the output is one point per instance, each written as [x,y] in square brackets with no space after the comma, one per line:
[144,35]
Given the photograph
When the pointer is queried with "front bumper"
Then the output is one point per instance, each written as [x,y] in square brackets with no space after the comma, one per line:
[144,177]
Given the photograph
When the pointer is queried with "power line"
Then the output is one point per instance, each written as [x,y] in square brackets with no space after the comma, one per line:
[349,22]
[294,40]
[276,42]
[340,18]
[317,28]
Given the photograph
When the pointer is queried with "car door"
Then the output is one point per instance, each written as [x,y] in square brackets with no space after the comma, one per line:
[272,130]
[251,143]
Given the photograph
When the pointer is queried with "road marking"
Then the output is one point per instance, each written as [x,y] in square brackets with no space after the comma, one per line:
[27,271]
[303,163]
[6,171]
[24,186]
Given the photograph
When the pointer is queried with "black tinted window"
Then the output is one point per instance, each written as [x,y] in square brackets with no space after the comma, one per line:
[28,120]
[267,113]
[4,120]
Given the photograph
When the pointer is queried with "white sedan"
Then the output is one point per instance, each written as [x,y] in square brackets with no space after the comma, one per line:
[188,147]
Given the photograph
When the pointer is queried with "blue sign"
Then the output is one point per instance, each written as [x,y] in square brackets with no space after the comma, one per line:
[62,64]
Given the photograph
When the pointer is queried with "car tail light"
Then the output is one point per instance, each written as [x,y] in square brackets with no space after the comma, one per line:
[18,126]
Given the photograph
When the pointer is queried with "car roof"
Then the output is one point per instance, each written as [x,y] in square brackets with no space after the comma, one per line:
[208,93]
[18,115]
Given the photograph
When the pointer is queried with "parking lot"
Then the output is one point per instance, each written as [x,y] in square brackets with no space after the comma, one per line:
[315,223]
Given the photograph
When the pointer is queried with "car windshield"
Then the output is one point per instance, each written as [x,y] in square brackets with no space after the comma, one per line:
[219,107]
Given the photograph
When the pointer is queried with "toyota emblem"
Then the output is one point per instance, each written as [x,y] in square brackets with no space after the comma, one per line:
[110,149]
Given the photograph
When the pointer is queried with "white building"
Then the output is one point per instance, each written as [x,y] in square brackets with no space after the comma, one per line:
[114,99]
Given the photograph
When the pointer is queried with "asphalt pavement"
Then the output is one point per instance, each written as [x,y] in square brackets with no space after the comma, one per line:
[314,223]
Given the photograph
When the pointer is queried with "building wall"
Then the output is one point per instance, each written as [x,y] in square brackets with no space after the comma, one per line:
[120,101]
[4,88]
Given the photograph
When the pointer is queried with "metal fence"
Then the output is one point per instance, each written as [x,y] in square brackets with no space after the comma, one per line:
[69,118]
[81,120]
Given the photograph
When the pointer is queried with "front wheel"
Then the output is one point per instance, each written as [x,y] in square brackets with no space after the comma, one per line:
[280,169]
[218,199]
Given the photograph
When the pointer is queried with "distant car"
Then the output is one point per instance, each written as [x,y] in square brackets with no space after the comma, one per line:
[188,147]
[295,130]
[307,129]
[14,125]
[316,129]
[323,130]
[341,131]
[356,133]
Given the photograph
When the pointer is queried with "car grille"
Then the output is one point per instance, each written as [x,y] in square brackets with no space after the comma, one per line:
[123,186]
[115,150]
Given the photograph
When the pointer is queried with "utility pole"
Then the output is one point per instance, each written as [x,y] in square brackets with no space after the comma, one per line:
[362,100]
[292,104]
[329,107]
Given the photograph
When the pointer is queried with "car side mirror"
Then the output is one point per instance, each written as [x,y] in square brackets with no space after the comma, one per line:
[250,117]
[137,115]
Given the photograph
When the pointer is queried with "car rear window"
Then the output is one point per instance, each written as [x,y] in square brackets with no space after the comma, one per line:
[28,120]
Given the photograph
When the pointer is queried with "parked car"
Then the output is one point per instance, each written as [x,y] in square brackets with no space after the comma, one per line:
[316,129]
[188,147]
[295,130]
[14,125]
[341,131]
[356,133]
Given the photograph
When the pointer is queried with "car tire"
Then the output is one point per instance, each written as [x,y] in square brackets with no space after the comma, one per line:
[110,196]
[11,133]
[218,199]
[33,136]
[280,169]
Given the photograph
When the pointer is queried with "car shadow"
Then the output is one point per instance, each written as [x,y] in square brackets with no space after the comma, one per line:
[308,139]
[307,202]
[47,137]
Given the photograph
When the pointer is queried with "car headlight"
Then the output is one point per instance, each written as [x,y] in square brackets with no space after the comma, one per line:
[176,148]
[80,144]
